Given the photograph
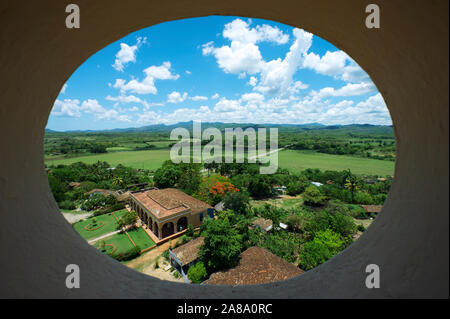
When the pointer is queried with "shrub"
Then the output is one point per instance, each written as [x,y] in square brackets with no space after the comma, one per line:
[165,254]
[296,187]
[190,230]
[296,223]
[357,211]
[325,245]
[127,255]
[333,241]
[363,198]
[361,228]
[197,273]
[282,245]
[66,204]
[343,224]
[313,254]
[313,197]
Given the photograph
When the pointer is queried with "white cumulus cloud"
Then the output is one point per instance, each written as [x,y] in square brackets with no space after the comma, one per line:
[176,97]
[147,85]
[127,54]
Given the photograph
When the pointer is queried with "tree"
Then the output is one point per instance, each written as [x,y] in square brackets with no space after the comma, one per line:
[167,175]
[190,177]
[118,181]
[343,224]
[236,201]
[313,197]
[297,186]
[214,188]
[260,186]
[197,273]
[352,184]
[222,245]
[190,230]
[129,218]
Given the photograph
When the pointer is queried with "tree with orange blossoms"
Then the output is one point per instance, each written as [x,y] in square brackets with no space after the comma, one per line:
[214,188]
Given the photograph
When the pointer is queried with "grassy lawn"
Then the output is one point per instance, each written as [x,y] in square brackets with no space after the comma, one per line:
[141,238]
[300,160]
[109,226]
[121,242]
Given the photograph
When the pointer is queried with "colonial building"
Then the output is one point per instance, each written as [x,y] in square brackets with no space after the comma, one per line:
[168,211]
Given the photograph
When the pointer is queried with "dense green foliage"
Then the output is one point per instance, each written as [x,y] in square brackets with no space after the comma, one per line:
[99,175]
[127,255]
[186,176]
[129,218]
[222,245]
[197,273]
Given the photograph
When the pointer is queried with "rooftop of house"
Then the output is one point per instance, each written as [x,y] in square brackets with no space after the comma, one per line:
[220,206]
[104,192]
[262,222]
[372,208]
[256,266]
[169,201]
[188,252]
[123,196]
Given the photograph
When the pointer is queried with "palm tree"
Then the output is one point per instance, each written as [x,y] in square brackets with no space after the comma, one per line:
[118,181]
[351,183]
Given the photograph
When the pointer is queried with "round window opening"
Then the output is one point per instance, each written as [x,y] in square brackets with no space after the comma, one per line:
[220,150]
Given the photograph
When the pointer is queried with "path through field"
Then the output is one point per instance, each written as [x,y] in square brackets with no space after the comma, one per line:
[267,153]
[103,236]
[73,218]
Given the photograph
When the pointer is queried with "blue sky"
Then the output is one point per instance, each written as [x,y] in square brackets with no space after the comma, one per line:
[217,69]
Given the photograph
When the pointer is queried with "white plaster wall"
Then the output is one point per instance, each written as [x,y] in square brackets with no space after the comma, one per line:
[407,59]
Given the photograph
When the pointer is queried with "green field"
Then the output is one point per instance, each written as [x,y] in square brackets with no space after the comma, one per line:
[290,159]
[109,226]
[141,238]
[300,160]
[152,159]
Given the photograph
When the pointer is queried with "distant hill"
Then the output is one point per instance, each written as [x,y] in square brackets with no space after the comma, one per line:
[360,128]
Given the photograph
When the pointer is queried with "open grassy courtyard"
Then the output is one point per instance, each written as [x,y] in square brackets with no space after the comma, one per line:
[140,238]
[118,243]
[105,224]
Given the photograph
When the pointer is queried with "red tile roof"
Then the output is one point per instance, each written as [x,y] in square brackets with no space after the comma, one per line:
[372,208]
[189,252]
[256,266]
[165,202]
